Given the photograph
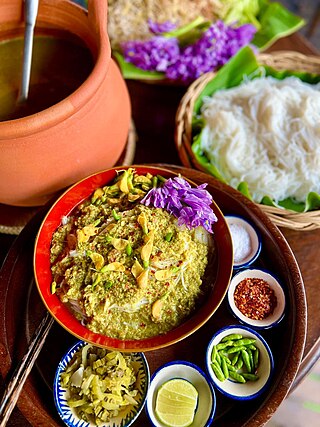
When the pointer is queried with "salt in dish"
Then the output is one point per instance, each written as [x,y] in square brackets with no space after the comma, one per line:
[246,241]
[256,298]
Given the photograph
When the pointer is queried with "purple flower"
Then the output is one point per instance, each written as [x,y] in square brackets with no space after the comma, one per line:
[159,28]
[214,48]
[190,205]
[155,54]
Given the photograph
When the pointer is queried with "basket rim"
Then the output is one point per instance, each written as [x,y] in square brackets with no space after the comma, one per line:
[282,59]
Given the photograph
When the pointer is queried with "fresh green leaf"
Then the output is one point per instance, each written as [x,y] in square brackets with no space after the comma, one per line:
[244,189]
[130,71]
[203,161]
[227,76]
[276,22]
[189,33]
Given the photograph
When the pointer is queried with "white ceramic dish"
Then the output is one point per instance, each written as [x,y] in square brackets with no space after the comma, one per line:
[279,311]
[205,411]
[126,417]
[250,389]
[246,241]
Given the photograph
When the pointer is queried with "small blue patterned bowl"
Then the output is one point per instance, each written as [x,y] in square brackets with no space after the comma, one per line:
[126,416]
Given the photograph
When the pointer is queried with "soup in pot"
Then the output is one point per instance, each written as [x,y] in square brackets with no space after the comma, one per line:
[59,66]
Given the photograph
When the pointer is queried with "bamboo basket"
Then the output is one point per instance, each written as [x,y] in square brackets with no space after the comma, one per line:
[281,60]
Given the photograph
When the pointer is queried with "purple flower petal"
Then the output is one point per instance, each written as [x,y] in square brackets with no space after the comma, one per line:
[191,205]
[159,28]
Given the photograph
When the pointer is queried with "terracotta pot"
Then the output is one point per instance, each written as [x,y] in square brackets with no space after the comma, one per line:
[82,134]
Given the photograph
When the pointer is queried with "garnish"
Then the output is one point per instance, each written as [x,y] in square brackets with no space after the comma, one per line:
[191,205]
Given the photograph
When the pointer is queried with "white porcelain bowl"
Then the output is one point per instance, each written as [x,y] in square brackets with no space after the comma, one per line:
[278,313]
[249,389]
[205,410]
[126,417]
[246,241]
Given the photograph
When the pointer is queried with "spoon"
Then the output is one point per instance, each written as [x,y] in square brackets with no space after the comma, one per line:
[30,12]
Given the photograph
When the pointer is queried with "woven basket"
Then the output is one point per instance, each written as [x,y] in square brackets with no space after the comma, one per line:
[281,60]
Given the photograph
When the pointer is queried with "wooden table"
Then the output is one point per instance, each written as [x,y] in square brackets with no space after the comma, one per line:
[153,111]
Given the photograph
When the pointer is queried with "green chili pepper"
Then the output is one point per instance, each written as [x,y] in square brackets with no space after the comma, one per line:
[145,264]
[251,358]
[168,237]
[214,353]
[108,285]
[218,372]
[250,377]
[231,337]
[116,216]
[235,349]
[256,358]
[246,360]
[245,341]
[224,368]
[252,347]
[161,178]
[231,368]
[239,363]
[108,238]
[237,377]
[218,358]
[235,358]
[129,249]
[154,181]
[223,345]
[225,358]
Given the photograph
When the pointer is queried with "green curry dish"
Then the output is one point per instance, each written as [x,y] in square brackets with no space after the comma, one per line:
[100,383]
[125,278]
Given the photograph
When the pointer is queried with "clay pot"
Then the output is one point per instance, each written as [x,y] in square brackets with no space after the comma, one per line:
[84,132]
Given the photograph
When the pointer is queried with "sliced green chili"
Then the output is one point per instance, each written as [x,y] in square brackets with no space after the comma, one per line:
[116,216]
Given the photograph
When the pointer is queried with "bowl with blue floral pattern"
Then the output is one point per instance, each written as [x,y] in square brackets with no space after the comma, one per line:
[95,386]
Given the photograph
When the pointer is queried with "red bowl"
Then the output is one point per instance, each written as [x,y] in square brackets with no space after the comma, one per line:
[221,270]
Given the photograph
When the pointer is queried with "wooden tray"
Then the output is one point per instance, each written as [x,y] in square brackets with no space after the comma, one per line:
[22,309]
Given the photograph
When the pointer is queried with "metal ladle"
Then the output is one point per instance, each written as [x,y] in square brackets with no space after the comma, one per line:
[30,13]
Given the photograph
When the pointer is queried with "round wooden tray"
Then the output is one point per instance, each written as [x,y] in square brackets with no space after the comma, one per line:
[22,309]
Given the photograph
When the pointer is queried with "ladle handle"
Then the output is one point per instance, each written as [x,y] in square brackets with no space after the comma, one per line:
[31,12]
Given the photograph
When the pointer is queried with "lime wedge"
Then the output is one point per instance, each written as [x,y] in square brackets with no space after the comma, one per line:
[176,403]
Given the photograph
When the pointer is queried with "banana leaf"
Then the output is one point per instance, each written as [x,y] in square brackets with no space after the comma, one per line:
[245,63]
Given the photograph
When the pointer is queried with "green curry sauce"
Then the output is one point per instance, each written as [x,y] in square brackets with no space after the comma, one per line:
[127,270]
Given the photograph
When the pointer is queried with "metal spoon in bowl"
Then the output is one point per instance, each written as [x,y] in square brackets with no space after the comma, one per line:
[30,12]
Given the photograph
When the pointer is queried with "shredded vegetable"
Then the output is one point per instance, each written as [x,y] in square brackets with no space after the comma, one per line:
[100,383]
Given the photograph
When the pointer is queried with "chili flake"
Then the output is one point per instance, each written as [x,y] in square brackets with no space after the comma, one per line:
[255,298]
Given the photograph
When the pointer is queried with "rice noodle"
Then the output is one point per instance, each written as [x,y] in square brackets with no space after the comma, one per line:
[266,132]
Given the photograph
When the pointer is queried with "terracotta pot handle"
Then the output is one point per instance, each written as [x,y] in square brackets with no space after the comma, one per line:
[98,15]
